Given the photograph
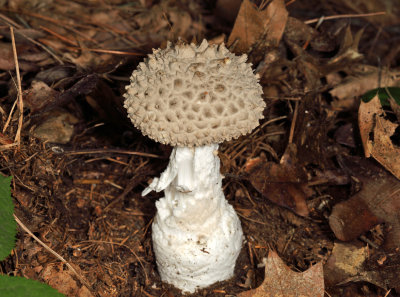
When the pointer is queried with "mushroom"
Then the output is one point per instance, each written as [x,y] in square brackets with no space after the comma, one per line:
[194,97]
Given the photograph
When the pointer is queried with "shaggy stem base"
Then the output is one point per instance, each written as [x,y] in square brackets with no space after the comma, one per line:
[197,235]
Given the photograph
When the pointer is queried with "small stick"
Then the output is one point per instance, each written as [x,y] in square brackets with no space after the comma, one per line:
[116,151]
[251,254]
[106,51]
[293,121]
[341,16]
[20,101]
[387,293]
[10,114]
[59,36]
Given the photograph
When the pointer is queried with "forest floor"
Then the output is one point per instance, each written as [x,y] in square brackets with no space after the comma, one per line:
[317,182]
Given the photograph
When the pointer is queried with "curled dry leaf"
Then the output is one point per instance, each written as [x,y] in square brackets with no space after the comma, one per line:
[376,132]
[280,280]
[253,25]
[348,51]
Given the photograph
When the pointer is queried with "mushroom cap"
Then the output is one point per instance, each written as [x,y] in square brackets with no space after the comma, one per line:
[194,95]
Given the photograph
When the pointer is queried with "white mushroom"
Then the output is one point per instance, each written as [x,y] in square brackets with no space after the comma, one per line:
[194,97]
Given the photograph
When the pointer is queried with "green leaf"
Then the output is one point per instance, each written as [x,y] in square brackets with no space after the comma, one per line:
[383,94]
[15,286]
[8,226]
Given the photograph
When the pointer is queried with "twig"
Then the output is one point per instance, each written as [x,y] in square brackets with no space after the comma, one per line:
[52,251]
[365,239]
[11,111]
[19,89]
[342,16]
[106,51]
[104,151]
[296,107]
[59,36]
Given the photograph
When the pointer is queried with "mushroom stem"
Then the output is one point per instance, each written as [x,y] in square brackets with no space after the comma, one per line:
[197,235]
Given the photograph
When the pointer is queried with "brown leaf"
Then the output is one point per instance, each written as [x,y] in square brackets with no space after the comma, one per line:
[378,201]
[376,132]
[282,183]
[348,48]
[365,79]
[253,24]
[345,261]
[281,281]
[353,262]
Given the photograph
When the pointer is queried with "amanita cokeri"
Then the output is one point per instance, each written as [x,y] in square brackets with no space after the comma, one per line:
[193,97]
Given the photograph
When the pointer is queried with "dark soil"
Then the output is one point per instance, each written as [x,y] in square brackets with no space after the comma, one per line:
[82,197]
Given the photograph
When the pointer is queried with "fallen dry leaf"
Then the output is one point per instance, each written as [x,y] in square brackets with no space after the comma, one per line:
[376,132]
[378,201]
[351,262]
[363,80]
[253,25]
[281,281]
[282,183]
[346,261]
[348,50]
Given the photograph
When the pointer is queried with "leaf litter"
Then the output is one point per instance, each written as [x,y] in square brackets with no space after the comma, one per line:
[300,181]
